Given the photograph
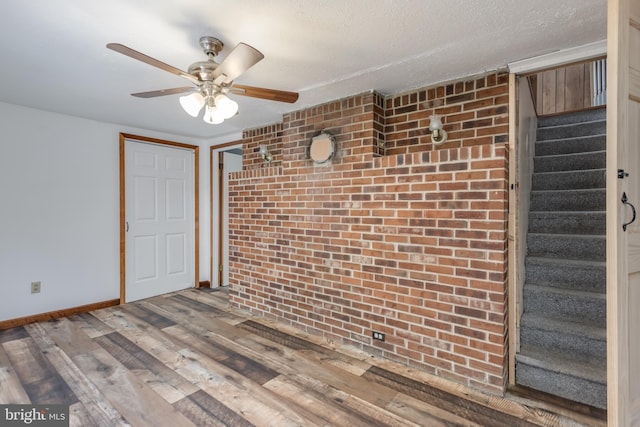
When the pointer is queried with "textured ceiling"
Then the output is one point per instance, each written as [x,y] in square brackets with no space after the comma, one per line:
[54,56]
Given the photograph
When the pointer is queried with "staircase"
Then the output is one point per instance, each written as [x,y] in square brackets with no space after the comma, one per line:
[563,326]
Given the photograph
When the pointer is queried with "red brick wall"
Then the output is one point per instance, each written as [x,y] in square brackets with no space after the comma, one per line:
[412,244]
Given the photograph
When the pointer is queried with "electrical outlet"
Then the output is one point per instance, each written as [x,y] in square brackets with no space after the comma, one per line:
[377,336]
[36,287]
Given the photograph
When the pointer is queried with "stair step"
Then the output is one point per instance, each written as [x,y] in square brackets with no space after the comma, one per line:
[569,200]
[577,117]
[589,308]
[571,130]
[583,382]
[578,275]
[570,162]
[559,222]
[571,145]
[577,340]
[585,247]
[569,180]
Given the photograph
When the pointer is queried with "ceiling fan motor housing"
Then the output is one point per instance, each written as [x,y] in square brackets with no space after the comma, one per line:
[203,70]
[211,45]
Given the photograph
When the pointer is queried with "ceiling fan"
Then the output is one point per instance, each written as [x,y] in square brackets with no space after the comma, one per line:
[212,81]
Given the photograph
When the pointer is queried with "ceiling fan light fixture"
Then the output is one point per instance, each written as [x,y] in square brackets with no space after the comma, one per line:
[228,107]
[212,115]
[212,80]
[192,103]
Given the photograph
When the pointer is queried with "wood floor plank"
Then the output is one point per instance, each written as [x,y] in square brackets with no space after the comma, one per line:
[255,403]
[327,355]
[216,379]
[250,368]
[183,315]
[125,354]
[354,400]
[197,415]
[92,326]
[39,378]
[69,335]
[52,390]
[171,386]
[79,416]
[198,305]
[325,405]
[98,407]
[11,390]
[423,413]
[289,361]
[218,299]
[138,404]
[27,360]
[204,410]
[144,314]
[122,321]
[454,404]
[12,334]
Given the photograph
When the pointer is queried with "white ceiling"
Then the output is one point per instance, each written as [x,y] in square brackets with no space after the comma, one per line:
[54,56]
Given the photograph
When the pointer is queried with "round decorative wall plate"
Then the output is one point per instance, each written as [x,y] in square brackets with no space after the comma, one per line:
[322,148]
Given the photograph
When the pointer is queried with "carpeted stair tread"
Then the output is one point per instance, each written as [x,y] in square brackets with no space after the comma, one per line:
[577,144]
[569,200]
[561,384]
[531,320]
[566,364]
[588,276]
[569,180]
[573,305]
[567,222]
[571,130]
[577,117]
[567,246]
[562,375]
[561,336]
[570,161]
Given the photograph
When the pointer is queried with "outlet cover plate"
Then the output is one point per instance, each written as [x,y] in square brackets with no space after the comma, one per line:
[36,287]
[377,335]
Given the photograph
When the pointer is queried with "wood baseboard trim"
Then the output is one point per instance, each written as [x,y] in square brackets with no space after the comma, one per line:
[204,284]
[21,321]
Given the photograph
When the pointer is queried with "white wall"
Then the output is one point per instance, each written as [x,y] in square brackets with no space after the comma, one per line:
[59,210]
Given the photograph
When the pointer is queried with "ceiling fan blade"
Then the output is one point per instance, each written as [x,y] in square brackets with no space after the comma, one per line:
[163,92]
[241,58]
[120,48]
[270,94]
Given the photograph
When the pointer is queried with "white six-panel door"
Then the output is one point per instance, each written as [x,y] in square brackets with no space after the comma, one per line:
[159,228]
[623,207]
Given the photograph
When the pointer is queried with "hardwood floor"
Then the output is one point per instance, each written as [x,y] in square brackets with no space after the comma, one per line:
[187,359]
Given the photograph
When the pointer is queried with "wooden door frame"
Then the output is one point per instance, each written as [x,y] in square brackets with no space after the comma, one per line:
[123,221]
[212,196]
